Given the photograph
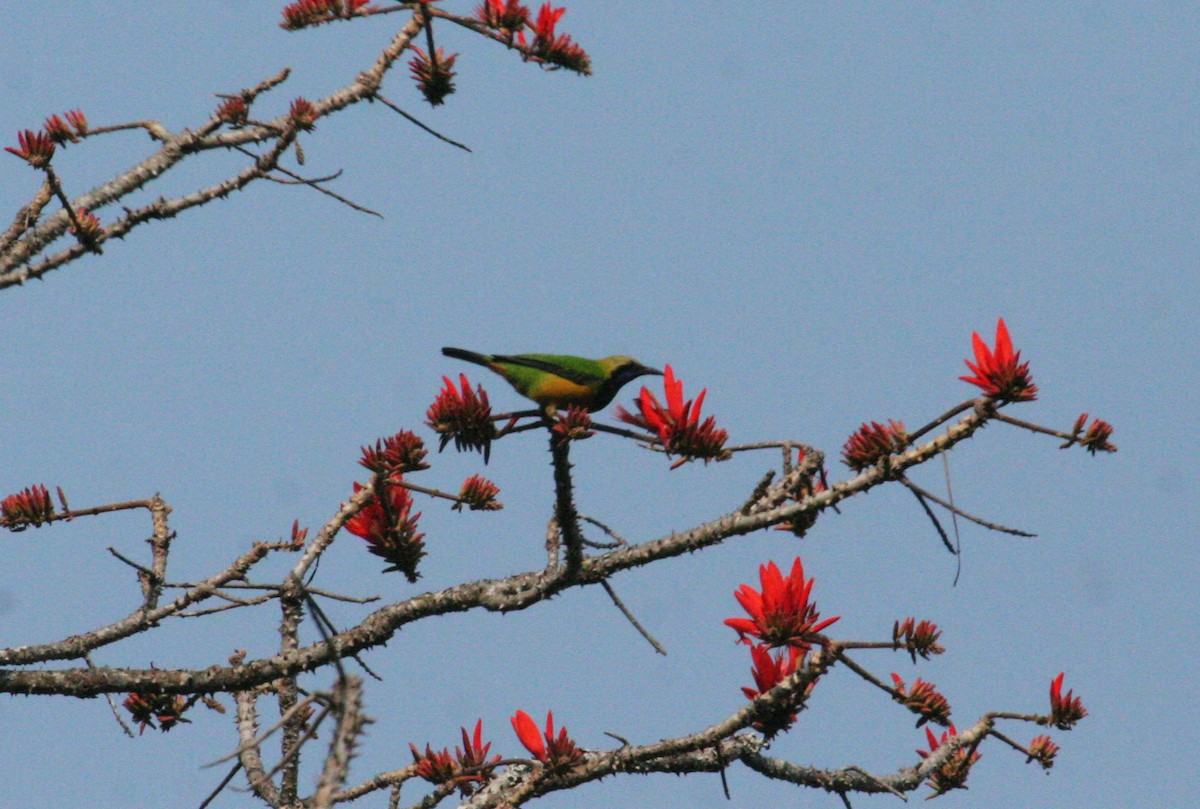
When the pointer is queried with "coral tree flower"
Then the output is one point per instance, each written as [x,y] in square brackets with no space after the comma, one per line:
[145,709]
[557,49]
[478,494]
[1095,439]
[781,615]
[503,15]
[1000,373]
[1065,711]
[922,699]
[918,638]
[953,772]
[678,424]
[465,416]
[1042,750]
[314,12]
[395,455]
[872,443]
[434,75]
[770,670]
[32,506]
[466,769]
[390,529]
[36,148]
[556,752]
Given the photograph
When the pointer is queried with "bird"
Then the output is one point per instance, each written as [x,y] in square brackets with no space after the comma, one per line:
[560,380]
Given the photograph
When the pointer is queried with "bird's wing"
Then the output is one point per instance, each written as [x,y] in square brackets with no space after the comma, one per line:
[576,375]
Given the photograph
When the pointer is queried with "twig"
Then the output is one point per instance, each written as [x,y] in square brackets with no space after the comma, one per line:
[658,647]
[418,123]
[112,703]
[212,796]
[965,515]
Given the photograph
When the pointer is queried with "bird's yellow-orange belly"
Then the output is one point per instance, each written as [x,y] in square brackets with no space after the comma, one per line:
[558,391]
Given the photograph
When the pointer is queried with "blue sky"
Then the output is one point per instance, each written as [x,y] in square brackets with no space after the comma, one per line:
[804,208]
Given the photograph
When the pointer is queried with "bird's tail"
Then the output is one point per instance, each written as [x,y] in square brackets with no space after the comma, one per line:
[469,356]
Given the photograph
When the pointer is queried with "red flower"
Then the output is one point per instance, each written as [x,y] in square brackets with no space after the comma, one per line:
[781,615]
[872,443]
[303,114]
[1095,439]
[769,671]
[77,119]
[918,639]
[922,699]
[25,508]
[233,111]
[146,708]
[678,424]
[466,417]
[1042,750]
[573,425]
[503,15]
[436,767]
[434,77]
[478,494]
[473,755]
[89,229]
[954,771]
[389,529]
[36,148]
[557,50]
[59,131]
[314,12]
[1000,374]
[556,753]
[1064,711]
[396,455]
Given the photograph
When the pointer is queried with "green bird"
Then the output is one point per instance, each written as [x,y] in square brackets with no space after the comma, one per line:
[557,380]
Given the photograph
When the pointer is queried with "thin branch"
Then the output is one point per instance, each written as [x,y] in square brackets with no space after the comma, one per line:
[922,493]
[658,647]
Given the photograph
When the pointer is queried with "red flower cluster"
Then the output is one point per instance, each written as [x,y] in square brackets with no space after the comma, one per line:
[439,767]
[922,699]
[25,508]
[36,148]
[396,455]
[68,131]
[464,416]
[953,773]
[233,111]
[1064,711]
[146,708]
[781,614]
[390,529]
[678,425]
[1095,439]
[1042,750]
[768,671]
[557,49]
[304,13]
[1000,373]
[503,15]
[89,229]
[573,425]
[478,494]
[303,114]
[872,443]
[556,752]
[434,76]
[918,639]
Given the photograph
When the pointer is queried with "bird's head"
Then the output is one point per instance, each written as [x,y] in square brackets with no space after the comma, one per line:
[621,370]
